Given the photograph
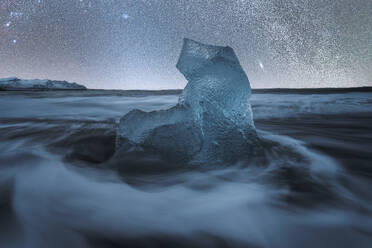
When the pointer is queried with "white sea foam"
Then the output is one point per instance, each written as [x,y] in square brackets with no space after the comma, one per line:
[58,205]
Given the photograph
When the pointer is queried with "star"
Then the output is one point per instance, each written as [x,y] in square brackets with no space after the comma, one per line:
[261,65]
[15,14]
[134,44]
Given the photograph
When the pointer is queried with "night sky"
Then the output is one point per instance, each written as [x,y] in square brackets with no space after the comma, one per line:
[135,44]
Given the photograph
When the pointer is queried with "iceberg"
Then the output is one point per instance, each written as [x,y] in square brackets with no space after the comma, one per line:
[37,84]
[212,122]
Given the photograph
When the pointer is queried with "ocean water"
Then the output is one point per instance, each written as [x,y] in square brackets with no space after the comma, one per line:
[57,190]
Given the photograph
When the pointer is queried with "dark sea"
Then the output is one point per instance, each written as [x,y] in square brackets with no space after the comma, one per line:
[58,190]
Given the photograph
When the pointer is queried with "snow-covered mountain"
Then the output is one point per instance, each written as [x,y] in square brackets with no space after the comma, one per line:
[37,84]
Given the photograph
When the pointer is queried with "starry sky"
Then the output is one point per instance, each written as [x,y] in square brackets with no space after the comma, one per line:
[122,44]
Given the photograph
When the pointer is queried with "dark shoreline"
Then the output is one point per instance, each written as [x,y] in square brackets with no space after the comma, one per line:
[254,91]
[312,90]
[39,89]
[144,93]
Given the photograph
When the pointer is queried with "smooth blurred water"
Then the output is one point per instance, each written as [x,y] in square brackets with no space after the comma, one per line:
[55,190]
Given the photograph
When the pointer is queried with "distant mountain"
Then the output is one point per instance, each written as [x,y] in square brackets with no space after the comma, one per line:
[37,84]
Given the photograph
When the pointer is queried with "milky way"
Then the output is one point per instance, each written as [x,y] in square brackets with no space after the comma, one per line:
[135,44]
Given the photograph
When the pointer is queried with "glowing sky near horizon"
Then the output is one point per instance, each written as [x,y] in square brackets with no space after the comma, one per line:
[117,44]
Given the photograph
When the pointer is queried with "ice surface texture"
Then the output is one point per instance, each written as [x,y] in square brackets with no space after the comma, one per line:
[212,122]
[37,84]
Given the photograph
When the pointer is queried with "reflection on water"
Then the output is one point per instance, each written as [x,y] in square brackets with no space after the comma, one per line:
[56,192]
